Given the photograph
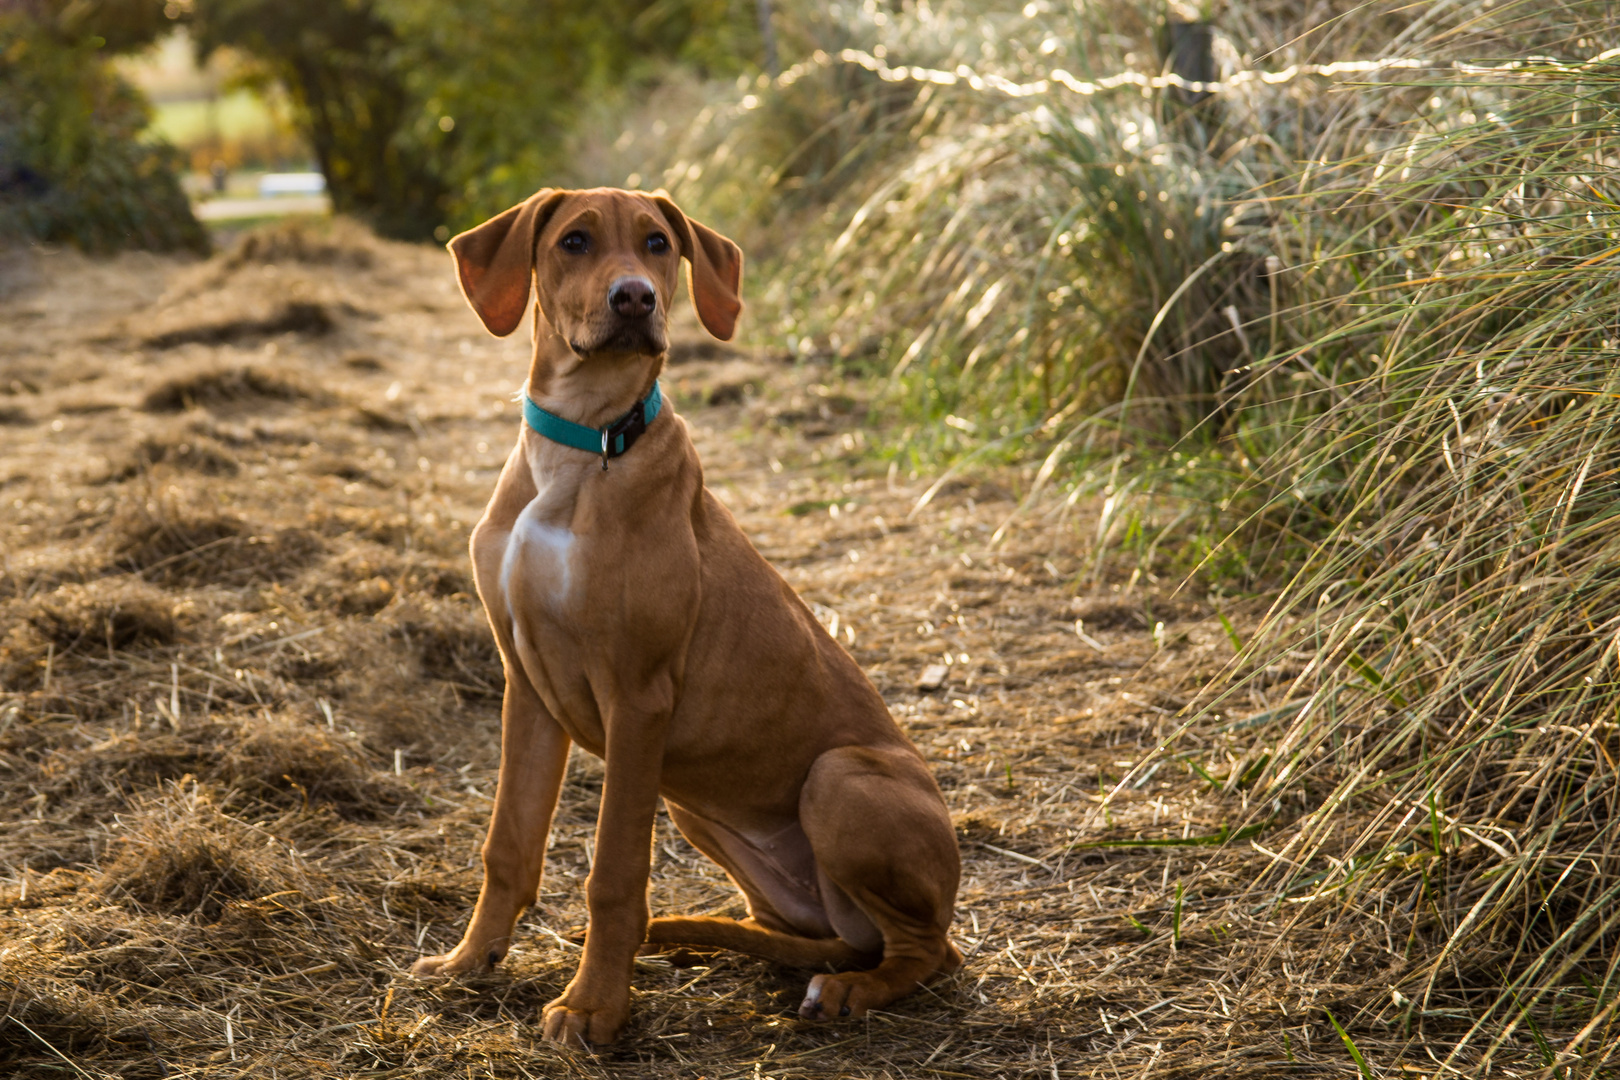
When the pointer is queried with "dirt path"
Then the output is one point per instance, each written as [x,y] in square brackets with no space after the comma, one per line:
[248,710]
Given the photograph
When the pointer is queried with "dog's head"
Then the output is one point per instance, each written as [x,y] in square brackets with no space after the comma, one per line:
[605,265]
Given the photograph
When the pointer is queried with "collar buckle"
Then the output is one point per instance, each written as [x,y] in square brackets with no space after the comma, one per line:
[620,435]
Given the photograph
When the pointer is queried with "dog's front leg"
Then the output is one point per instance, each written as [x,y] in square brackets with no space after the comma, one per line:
[534,755]
[597,1001]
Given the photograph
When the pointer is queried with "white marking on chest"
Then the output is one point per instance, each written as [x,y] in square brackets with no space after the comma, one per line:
[544,553]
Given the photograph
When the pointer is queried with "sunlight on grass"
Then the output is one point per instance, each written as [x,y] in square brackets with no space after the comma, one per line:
[237,116]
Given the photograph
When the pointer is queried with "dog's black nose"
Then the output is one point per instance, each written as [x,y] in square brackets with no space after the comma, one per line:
[632,297]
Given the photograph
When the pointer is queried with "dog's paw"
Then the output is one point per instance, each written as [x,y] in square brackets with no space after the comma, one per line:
[848,994]
[569,1024]
[459,961]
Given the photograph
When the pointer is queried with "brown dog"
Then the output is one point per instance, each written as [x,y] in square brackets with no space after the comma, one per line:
[634,618]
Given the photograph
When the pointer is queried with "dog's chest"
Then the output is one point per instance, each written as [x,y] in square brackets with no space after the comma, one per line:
[543,565]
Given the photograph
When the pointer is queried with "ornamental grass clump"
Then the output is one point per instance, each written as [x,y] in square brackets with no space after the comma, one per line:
[1453,728]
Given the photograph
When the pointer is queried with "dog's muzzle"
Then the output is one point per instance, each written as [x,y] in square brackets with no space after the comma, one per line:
[631,323]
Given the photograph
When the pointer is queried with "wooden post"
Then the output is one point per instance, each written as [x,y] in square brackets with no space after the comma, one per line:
[767,34]
[1188,51]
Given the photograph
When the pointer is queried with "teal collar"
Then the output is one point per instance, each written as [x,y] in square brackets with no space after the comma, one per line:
[609,441]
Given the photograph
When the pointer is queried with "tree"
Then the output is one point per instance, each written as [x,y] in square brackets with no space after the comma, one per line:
[426,116]
[344,66]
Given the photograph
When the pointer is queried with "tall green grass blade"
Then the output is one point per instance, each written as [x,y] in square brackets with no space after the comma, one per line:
[1175,918]
[1350,1046]
[1375,678]
[1224,836]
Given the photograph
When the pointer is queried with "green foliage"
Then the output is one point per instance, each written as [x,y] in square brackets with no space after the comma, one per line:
[120,26]
[428,117]
[72,168]
[518,86]
[344,67]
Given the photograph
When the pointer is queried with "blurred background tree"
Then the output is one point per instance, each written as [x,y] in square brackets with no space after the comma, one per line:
[344,68]
[426,117]
[73,167]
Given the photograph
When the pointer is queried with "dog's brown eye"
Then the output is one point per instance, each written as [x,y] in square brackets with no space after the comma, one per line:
[576,242]
[657,243]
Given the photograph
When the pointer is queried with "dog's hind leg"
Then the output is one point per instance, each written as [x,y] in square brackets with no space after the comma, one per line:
[750,937]
[887,851]
[775,870]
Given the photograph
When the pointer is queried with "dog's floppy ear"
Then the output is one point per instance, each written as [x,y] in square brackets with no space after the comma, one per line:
[495,261]
[714,270]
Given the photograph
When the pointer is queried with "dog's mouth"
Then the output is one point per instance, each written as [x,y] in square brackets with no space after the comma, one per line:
[641,338]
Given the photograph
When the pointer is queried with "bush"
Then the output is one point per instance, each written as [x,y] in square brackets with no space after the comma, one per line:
[73,168]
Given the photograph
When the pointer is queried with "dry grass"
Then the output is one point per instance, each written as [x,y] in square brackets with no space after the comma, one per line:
[211,386]
[249,721]
[341,244]
[295,317]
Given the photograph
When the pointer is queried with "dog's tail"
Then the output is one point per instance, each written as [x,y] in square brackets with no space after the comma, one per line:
[748,937]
